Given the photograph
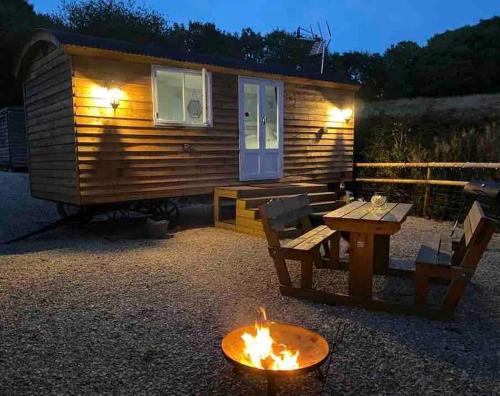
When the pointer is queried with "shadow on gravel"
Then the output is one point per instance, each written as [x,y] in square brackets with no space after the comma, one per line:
[127,230]
[470,341]
[88,238]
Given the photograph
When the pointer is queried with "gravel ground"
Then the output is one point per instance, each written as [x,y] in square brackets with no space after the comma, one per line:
[19,212]
[88,311]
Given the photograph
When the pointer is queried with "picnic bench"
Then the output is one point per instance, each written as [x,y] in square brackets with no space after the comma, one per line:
[439,260]
[283,218]
[370,229]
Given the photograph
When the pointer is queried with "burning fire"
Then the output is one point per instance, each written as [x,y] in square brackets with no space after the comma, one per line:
[263,352]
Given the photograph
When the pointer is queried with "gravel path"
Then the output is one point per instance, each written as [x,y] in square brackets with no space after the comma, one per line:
[19,212]
[82,311]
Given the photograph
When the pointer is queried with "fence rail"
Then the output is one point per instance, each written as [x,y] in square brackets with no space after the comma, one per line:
[464,165]
[428,181]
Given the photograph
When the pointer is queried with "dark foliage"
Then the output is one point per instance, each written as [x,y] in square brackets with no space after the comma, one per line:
[460,62]
[116,19]
[422,138]
[463,61]
[17,18]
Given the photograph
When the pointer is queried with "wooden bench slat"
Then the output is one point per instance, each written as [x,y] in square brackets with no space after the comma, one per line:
[445,243]
[341,212]
[456,237]
[315,240]
[297,241]
[475,215]
[378,213]
[359,212]
[428,253]
[445,254]
[398,213]
[467,230]
[284,206]
[281,213]
[285,220]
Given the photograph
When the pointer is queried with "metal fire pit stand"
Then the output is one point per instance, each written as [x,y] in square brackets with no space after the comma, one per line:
[271,376]
[339,336]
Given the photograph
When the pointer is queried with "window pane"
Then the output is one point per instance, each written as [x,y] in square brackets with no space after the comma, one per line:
[271,111]
[193,95]
[251,120]
[169,92]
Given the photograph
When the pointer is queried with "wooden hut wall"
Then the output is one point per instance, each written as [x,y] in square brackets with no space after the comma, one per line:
[317,149]
[50,126]
[123,156]
[4,139]
[17,139]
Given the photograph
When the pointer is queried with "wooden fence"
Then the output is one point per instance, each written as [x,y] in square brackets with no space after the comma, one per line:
[428,181]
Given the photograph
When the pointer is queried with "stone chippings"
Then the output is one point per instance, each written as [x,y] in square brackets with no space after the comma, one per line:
[84,313]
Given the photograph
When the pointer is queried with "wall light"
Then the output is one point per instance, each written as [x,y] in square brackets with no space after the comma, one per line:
[113,95]
[107,96]
[340,115]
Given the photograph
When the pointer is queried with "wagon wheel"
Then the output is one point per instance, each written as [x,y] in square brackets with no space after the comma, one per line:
[66,210]
[166,210]
[117,214]
[80,213]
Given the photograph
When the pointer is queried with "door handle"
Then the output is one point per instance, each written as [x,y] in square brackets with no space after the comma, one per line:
[264,119]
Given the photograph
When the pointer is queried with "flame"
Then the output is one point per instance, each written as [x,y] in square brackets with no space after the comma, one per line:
[263,352]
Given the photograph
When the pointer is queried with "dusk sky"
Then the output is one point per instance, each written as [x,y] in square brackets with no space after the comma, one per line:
[368,25]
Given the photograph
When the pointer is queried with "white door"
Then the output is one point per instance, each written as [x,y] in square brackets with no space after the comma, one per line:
[261,128]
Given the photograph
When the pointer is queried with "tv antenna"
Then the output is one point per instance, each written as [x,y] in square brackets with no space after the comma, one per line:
[319,42]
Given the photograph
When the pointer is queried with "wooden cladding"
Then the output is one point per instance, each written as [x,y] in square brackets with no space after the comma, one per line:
[84,151]
[50,128]
[317,149]
[122,155]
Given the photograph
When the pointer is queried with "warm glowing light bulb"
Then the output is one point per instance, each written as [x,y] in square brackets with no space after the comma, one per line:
[114,95]
[340,115]
[347,114]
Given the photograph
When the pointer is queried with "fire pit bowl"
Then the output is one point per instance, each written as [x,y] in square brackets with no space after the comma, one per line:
[313,349]
[274,350]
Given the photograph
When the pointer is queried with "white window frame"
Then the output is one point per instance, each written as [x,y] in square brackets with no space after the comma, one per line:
[206,96]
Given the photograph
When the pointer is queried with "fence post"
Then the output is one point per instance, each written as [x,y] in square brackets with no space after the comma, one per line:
[425,209]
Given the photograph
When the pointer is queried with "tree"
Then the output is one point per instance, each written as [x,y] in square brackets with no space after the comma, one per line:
[362,68]
[205,38]
[285,49]
[460,62]
[17,18]
[113,19]
[251,46]
[400,61]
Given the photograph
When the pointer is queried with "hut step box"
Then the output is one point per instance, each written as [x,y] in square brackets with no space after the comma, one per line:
[237,208]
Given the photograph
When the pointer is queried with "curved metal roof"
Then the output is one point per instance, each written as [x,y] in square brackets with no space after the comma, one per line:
[81,40]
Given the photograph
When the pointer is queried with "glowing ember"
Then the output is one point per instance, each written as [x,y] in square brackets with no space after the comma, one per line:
[263,352]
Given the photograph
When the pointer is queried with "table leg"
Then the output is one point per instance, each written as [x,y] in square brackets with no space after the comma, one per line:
[382,245]
[361,264]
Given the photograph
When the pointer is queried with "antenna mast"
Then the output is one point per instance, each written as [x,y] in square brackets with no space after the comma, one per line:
[319,43]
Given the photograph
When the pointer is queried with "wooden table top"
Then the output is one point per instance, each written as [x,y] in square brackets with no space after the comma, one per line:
[364,217]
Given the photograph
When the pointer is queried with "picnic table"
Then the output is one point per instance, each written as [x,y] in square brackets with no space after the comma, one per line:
[370,229]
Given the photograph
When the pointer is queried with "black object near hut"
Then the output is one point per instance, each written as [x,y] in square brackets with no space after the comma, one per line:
[13,147]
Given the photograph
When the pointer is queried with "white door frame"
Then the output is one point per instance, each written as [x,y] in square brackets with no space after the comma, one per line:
[261,82]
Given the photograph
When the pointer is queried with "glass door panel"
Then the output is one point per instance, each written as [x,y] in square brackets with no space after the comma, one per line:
[261,129]
[251,115]
[271,117]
